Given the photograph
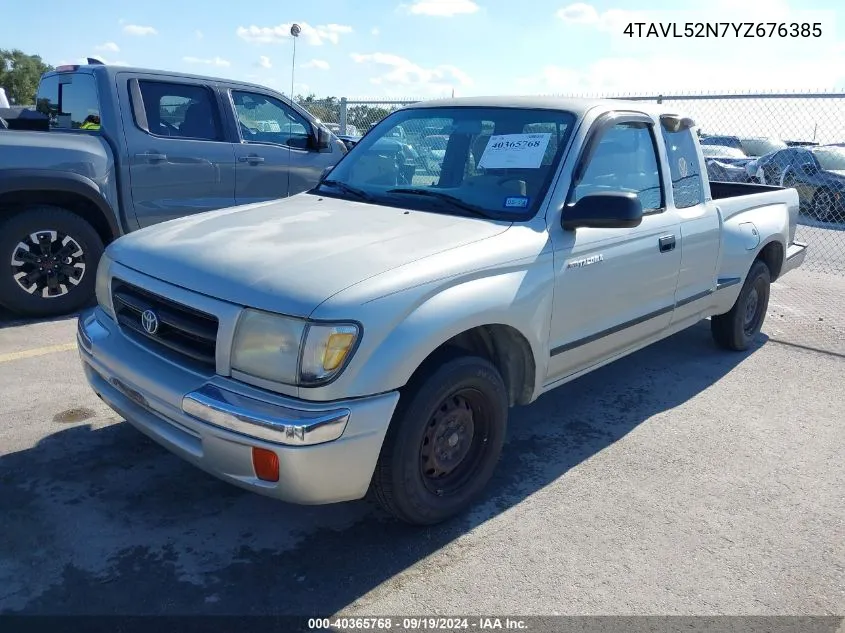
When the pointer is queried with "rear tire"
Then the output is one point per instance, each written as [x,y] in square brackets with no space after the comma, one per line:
[823,206]
[737,329]
[443,443]
[48,261]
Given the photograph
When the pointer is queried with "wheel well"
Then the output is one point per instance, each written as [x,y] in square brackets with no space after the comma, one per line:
[73,202]
[772,256]
[502,345]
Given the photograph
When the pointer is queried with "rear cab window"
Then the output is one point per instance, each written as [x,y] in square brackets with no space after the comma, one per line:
[684,168]
[70,101]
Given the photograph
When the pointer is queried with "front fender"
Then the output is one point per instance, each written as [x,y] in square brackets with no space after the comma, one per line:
[424,318]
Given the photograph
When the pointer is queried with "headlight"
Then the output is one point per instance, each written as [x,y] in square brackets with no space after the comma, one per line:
[291,351]
[102,287]
[326,351]
[267,346]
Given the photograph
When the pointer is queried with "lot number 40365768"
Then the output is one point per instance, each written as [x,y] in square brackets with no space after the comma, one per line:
[522,144]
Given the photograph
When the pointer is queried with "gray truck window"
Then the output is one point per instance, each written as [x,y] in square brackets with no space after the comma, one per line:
[70,100]
[625,160]
[684,167]
[264,119]
[179,110]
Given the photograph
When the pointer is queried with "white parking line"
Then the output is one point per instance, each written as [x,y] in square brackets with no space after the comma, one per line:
[38,351]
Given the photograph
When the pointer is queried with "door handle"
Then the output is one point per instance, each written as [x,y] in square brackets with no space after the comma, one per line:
[152,157]
[251,159]
[667,243]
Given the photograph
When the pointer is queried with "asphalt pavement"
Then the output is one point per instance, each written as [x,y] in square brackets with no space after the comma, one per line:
[679,480]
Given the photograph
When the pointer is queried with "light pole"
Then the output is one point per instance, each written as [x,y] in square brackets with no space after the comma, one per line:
[295,30]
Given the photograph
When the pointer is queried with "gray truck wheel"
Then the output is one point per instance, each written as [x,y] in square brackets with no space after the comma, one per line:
[737,329]
[443,443]
[48,261]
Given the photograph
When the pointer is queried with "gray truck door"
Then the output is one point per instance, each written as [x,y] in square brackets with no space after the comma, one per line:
[180,162]
[274,157]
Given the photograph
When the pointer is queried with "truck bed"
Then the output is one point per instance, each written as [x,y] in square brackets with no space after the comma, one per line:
[720,189]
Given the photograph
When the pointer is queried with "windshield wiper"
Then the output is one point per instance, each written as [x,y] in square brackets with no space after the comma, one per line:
[445,197]
[358,193]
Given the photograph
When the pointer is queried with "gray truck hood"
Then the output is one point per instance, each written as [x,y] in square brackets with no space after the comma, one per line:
[290,255]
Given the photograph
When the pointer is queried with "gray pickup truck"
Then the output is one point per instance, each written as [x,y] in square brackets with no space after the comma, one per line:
[126,148]
[372,333]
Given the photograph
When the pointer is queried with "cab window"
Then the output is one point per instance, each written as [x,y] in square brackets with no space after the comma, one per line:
[625,161]
[263,119]
[684,168]
[70,100]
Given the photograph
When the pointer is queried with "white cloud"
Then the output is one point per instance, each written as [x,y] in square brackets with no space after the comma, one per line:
[108,46]
[137,29]
[579,13]
[413,78]
[375,31]
[610,20]
[317,63]
[674,74]
[214,61]
[198,34]
[315,35]
[735,11]
[265,62]
[443,8]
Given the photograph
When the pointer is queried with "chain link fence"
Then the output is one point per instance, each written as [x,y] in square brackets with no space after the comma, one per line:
[787,139]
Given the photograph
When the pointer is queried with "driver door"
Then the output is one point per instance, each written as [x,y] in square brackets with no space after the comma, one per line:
[615,288]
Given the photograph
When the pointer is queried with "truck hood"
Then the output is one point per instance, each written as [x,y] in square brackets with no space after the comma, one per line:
[290,255]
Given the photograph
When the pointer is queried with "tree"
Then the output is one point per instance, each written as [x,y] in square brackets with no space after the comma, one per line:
[20,74]
[326,109]
[363,116]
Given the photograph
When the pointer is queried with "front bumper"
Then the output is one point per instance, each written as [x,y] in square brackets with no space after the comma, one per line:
[326,451]
[795,255]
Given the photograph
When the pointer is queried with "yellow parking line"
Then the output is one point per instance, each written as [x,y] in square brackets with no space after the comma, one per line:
[38,351]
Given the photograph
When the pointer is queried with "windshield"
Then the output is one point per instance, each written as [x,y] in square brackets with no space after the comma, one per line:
[760,146]
[720,151]
[492,162]
[830,158]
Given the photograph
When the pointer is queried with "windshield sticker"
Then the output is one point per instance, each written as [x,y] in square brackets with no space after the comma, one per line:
[516,202]
[523,151]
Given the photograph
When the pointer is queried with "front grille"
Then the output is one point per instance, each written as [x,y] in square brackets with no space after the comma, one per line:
[182,330]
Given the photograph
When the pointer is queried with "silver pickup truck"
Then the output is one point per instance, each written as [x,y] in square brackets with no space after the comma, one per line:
[373,332]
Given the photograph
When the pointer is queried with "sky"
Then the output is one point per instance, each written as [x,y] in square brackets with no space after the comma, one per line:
[416,49]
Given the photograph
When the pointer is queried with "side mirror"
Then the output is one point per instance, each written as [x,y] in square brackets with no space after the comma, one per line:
[612,210]
[326,172]
[322,137]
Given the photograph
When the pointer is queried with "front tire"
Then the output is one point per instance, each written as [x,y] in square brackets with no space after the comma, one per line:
[737,329]
[48,261]
[443,443]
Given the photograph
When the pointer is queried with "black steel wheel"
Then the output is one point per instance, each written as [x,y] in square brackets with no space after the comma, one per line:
[444,441]
[737,329]
[50,257]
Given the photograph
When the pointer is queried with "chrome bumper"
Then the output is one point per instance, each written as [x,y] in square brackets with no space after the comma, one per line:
[795,255]
[326,451]
[274,423]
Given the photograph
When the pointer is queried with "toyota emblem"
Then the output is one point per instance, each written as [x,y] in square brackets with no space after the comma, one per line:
[149,321]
